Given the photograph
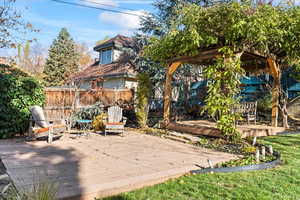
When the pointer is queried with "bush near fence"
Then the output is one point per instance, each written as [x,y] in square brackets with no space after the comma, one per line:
[18,92]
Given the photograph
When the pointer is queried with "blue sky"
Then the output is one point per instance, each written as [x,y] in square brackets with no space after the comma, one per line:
[84,24]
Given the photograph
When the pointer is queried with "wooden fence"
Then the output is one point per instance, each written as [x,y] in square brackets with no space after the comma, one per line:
[62,102]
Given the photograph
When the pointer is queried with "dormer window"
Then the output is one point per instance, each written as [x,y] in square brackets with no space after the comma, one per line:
[106,56]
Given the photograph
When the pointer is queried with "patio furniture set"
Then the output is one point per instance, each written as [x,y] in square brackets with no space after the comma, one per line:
[40,127]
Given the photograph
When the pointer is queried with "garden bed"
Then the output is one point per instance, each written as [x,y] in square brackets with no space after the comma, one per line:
[240,165]
[244,149]
[279,183]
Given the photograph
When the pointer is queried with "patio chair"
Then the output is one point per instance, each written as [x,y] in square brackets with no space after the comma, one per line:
[44,128]
[115,120]
[248,111]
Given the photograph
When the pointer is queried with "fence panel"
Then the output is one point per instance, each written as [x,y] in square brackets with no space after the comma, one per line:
[62,102]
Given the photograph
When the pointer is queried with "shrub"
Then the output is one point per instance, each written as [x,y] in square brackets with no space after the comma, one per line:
[88,113]
[143,95]
[99,122]
[264,104]
[42,189]
[18,92]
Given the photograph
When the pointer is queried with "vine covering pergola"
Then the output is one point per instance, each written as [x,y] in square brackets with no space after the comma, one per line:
[229,39]
[205,57]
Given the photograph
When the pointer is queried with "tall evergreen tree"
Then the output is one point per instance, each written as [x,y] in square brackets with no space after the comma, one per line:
[63,60]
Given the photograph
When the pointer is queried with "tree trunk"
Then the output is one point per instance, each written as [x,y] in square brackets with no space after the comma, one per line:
[168,91]
[275,103]
[186,92]
[285,113]
[276,74]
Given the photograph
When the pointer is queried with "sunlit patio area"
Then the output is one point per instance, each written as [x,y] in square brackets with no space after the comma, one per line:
[97,166]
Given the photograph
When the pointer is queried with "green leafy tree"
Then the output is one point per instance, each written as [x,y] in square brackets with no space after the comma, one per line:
[158,24]
[63,60]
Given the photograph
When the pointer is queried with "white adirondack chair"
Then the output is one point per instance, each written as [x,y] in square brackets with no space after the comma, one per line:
[115,120]
[44,128]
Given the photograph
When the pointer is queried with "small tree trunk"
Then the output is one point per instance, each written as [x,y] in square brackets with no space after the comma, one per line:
[285,113]
[186,92]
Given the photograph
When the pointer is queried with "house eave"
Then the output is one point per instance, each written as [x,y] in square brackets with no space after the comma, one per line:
[103,46]
[120,75]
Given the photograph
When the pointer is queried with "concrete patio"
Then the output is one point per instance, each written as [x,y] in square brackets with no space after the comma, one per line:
[100,166]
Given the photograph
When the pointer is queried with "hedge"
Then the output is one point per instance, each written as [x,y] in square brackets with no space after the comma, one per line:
[18,92]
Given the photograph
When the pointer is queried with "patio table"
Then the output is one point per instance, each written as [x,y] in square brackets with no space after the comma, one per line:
[84,124]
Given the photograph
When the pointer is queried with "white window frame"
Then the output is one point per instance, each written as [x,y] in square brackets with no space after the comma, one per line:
[111,56]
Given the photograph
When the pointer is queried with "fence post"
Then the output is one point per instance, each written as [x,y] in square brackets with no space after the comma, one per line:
[76,99]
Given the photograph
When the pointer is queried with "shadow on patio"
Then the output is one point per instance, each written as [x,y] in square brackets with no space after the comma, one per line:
[30,163]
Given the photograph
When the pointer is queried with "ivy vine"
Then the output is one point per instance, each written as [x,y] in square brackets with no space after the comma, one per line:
[223,88]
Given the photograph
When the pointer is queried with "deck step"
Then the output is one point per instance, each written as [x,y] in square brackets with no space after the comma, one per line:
[185,136]
[178,139]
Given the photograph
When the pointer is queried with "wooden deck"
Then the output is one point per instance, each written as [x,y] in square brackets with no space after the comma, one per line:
[206,128]
[100,166]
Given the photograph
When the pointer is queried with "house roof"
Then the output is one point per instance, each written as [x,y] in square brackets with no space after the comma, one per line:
[119,40]
[115,69]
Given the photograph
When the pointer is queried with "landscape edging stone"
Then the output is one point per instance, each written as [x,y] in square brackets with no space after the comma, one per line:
[261,166]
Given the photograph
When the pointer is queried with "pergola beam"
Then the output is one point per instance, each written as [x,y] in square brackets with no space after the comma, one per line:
[203,57]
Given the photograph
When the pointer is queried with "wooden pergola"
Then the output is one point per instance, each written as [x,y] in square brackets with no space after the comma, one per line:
[251,61]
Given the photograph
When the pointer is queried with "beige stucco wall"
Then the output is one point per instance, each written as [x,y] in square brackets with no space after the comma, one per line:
[116,54]
[129,84]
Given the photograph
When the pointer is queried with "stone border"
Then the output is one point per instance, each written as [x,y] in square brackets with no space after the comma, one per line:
[266,165]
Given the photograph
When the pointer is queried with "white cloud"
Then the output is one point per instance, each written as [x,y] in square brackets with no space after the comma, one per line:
[115,3]
[135,1]
[124,21]
[101,3]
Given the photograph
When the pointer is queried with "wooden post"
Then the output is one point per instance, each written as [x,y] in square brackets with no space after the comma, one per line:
[275,72]
[257,156]
[254,141]
[50,134]
[168,91]
[271,149]
[76,99]
[263,152]
[210,163]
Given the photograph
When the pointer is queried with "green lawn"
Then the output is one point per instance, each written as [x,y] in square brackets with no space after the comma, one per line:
[282,182]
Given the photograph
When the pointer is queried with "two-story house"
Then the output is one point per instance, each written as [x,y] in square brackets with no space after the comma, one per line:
[111,69]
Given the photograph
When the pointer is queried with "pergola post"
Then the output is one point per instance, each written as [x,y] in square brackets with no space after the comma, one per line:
[168,91]
[276,74]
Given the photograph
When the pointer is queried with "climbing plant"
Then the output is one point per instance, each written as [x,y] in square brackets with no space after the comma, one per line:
[143,95]
[223,88]
[270,31]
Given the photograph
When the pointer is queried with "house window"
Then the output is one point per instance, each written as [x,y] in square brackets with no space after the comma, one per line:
[106,56]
